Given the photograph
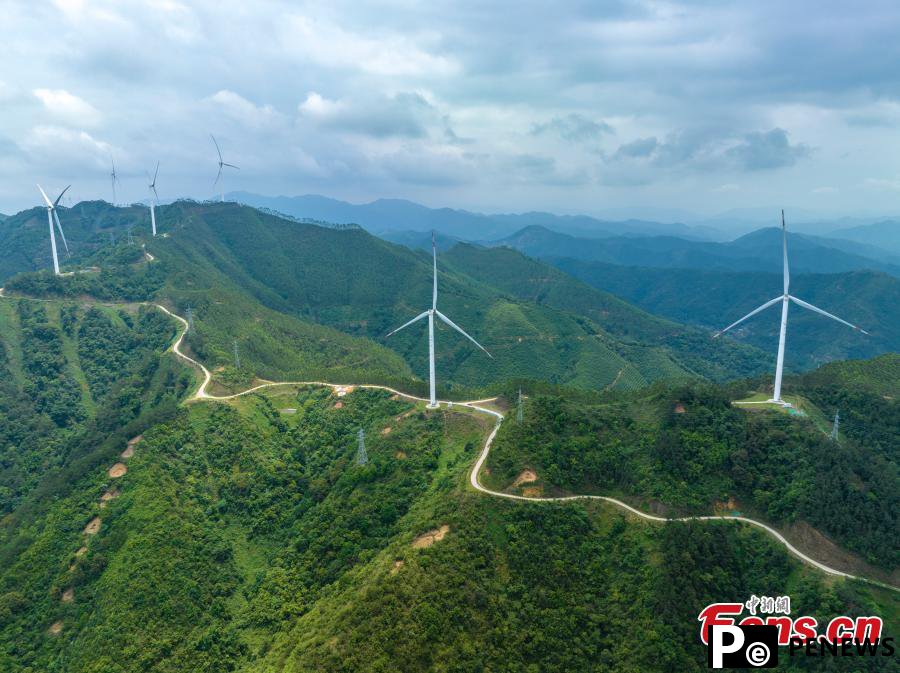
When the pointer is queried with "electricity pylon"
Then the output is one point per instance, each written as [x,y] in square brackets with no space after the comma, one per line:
[834,428]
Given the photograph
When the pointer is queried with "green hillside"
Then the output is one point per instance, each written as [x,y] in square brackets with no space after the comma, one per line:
[690,450]
[243,537]
[715,299]
[229,262]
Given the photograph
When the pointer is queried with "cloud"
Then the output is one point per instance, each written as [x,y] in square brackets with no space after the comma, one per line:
[243,110]
[573,127]
[642,147]
[404,115]
[67,106]
[766,151]
[390,53]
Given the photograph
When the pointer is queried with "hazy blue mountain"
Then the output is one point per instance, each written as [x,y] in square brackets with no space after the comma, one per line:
[757,251]
[884,234]
[714,299]
[419,240]
[393,215]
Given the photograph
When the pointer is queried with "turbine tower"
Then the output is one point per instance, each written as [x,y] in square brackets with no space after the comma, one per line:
[222,165]
[51,214]
[113,178]
[430,313]
[153,200]
[785,299]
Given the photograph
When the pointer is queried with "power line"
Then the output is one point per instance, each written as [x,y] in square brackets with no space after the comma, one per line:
[834,428]
[237,357]
[362,457]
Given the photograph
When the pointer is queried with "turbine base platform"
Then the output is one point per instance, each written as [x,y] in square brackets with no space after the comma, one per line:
[433,406]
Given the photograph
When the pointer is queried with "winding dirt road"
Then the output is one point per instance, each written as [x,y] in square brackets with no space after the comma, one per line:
[201,394]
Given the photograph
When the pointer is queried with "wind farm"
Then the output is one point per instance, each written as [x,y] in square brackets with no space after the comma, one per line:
[221,165]
[154,198]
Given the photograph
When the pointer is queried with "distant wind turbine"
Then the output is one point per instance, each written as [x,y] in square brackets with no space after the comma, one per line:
[430,313]
[154,199]
[51,214]
[785,299]
[222,165]
[113,178]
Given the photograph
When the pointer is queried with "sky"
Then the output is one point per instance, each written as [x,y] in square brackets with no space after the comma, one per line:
[570,107]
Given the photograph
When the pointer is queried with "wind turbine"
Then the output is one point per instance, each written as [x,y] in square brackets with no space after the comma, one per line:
[152,187]
[785,299]
[430,313]
[51,213]
[113,177]
[222,165]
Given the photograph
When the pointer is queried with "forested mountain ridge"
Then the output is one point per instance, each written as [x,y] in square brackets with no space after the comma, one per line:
[757,251]
[348,280]
[712,299]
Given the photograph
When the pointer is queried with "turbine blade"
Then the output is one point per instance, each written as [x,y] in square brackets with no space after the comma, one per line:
[153,187]
[434,261]
[218,175]
[230,165]
[752,313]
[787,273]
[56,203]
[461,331]
[155,173]
[61,234]
[217,147]
[804,304]
[418,317]
[44,194]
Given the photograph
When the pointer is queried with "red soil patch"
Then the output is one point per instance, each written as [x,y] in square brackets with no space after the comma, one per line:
[117,470]
[526,477]
[93,527]
[533,492]
[338,405]
[679,408]
[429,538]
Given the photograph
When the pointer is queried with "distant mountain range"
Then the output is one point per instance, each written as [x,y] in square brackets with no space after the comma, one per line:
[756,251]
[713,299]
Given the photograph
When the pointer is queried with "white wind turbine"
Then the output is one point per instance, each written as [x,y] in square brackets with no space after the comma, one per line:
[154,199]
[785,299]
[430,313]
[222,165]
[113,178]
[51,215]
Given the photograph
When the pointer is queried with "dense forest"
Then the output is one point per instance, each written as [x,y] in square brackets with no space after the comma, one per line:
[690,450]
[246,537]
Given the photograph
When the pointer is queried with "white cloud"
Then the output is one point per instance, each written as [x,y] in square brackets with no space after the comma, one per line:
[391,54]
[243,110]
[68,107]
[317,106]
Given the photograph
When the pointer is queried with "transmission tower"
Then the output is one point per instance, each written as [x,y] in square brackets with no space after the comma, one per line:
[834,428]
[237,357]
[190,317]
[130,239]
[361,456]
[520,408]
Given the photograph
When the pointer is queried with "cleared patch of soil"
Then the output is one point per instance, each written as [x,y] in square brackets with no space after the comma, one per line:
[68,595]
[55,629]
[288,410]
[81,552]
[429,538]
[135,440]
[93,527]
[127,453]
[811,541]
[533,492]
[400,455]
[338,405]
[396,567]
[679,408]
[387,430]
[111,494]
[117,470]
[526,477]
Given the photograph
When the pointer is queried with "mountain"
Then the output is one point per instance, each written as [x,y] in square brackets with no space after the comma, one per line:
[714,299]
[230,262]
[884,235]
[757,251]
[143,529]
[392,215]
